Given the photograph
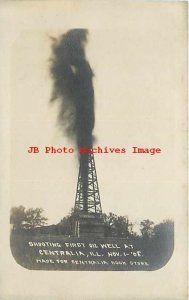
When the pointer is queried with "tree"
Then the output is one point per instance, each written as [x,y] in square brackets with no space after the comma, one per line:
[21,218]
[147,228]
[34,218]
[18,217]
[66,224]
[164,230]
[162,243]
[118,226]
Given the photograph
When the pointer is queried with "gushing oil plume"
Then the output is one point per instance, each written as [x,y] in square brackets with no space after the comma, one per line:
[73,88]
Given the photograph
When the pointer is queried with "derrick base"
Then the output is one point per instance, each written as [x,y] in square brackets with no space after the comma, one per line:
[88,224]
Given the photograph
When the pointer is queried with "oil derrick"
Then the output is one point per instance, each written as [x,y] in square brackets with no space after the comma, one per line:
[88,212]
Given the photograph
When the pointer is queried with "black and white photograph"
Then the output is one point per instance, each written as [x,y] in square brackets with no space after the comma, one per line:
[94,132]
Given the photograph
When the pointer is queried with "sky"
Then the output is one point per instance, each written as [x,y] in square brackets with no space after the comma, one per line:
[139,100]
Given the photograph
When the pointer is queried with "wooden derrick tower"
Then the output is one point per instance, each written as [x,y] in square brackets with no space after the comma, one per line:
[88,218]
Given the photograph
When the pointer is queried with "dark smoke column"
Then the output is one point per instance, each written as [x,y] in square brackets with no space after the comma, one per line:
[73,87]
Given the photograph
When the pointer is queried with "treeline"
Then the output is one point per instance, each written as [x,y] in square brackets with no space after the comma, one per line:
[32,219]
[156,241]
